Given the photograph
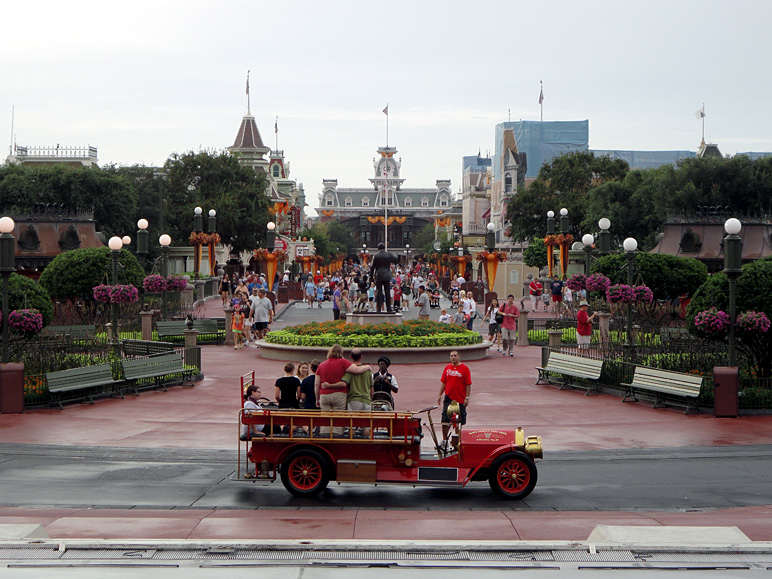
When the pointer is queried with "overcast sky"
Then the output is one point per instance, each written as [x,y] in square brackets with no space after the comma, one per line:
[142,80]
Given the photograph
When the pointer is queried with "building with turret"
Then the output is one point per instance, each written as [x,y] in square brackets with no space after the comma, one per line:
[386,208]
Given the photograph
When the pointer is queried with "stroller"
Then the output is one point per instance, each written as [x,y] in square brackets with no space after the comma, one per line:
[382,401]
[434,298]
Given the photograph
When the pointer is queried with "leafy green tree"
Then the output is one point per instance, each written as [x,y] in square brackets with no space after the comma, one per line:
[535,255]
[667,276]
[340,235]
[421,242]
[754,293]
[24,293]
[112,197]
[73,274]
[215,181]
[564,182]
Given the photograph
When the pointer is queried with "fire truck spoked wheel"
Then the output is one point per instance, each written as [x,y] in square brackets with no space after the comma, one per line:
[304,472]
[513,476]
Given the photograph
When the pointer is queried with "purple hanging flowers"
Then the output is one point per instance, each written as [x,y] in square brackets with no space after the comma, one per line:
[577,282]
[26,321]
[598,282]
[124,294]
[102,293]
[176,283]
[154,284]
[712,321]
[753,322]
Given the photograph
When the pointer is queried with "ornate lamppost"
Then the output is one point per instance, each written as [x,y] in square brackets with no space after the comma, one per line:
[604,237]
[407,255]
[7,267]
[733,261]
[165,240]
[115,244]
[198,228]
[142,234]
[214,239]
[587,240]
[630,245]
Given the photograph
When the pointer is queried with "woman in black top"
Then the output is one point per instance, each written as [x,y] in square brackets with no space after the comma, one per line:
[288,388]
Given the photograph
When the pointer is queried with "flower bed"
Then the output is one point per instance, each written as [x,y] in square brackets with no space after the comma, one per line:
[411,334]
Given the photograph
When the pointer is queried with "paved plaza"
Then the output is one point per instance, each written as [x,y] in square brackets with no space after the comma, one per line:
[503,393]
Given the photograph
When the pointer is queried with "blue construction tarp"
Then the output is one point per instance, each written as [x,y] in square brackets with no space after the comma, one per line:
[542,141]
[646,159]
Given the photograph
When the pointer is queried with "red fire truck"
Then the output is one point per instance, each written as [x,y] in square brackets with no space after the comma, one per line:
[309,448]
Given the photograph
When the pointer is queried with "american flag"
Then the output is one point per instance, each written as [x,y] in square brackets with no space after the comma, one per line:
[541,96]
[386,111]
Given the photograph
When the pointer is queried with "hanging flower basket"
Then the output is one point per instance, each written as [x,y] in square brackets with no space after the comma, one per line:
[577,282]
[124,294]
[597,282]
[753,323]
[154,284]
[26,321]
[176,283]
[643,294]
[712,321]
[102,293]
[620,294]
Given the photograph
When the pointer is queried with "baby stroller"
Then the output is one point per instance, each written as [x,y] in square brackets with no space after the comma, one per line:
[454,299]
[434,298]
[382,401]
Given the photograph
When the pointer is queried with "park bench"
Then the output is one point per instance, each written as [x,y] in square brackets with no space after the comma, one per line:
[674,335]
[572,368]
[155,368]
[135,348]
[86,380]
[675,387]
[85,332]
[205,327]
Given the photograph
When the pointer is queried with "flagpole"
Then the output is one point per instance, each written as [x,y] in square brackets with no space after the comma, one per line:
[541,100]
[703,122]
[248,112]
[276,132]
[387,124]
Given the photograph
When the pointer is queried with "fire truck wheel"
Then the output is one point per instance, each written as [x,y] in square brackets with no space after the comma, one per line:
[304,473]
[513,476]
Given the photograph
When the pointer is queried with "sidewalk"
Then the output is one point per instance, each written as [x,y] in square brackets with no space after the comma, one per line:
[503,393]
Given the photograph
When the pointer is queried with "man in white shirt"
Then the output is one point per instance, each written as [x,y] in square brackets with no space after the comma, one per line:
[261,313]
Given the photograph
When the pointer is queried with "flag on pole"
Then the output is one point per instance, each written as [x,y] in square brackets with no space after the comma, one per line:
[276,126]
[247,82]
[541,95]
[386,111]
[700,114]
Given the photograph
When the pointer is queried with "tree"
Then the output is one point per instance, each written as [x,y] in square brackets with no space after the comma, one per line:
[667,276]
[535,255]
[215,181]
[563,182]
[24,293]
[112,197]
[73,274]
[341,236]
[421,242]
[754,293]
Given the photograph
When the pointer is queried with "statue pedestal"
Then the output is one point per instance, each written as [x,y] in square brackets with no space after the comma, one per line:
[372,318]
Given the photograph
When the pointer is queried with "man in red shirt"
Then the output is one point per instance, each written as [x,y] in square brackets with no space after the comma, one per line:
[456,386]
[318,277]
[584,325]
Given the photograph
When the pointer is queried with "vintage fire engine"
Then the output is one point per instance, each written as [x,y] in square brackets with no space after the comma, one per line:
[309,448]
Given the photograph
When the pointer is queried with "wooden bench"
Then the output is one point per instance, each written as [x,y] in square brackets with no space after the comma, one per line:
[676,387]
[84,380]
[136,348]
[674,335]
[572,368]
[85,332]
[156,368]
[205,327]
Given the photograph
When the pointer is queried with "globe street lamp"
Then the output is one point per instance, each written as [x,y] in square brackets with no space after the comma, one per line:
[212,221]
[604,237]
[550,222]
[198,220]
[165,240]
[587,240]
[630,245]
[407,254]
[7,267]
[142,239]
[490,237]
[270,236]
[115,244]
[733,261]
[564,221]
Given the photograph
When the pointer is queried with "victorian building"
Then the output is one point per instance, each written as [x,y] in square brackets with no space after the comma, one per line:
[386,207]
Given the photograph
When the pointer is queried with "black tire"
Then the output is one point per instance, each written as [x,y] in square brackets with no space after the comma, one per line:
[304,473]
[513,476]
